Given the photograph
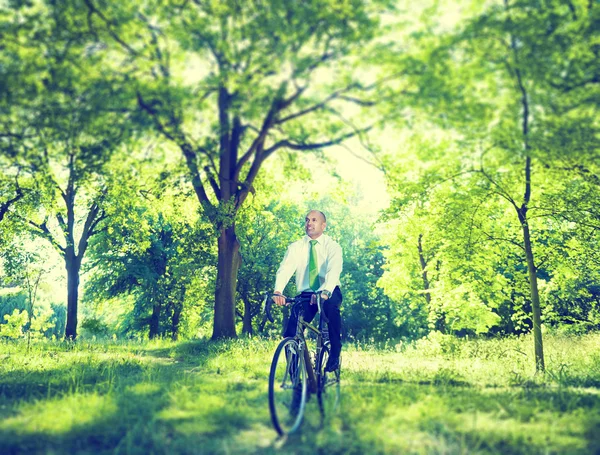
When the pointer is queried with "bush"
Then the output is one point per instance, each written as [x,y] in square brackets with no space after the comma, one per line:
[14,324]
[94,327]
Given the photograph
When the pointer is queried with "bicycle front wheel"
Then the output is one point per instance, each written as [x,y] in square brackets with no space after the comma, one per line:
[287,387]
[328,391]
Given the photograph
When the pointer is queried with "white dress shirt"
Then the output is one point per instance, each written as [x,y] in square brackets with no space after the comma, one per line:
[297,256]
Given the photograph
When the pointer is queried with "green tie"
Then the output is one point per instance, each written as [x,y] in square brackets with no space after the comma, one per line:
[313,271]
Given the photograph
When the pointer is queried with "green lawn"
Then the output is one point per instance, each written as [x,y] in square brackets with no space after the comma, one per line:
[441,396]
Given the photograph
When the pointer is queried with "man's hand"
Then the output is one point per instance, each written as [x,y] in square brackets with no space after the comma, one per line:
[279,298]
[313,298]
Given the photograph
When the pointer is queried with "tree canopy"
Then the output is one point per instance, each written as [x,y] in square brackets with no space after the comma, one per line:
[168,152]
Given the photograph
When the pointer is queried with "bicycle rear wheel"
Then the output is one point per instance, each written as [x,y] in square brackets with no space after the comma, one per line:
[287,387]
[328,392]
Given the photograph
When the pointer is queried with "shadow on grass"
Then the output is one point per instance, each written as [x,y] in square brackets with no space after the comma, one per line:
[192,353]
[144,406]
[412,417]
[442,377]
[157,404]
[186,351]
[51,380]
[54,375]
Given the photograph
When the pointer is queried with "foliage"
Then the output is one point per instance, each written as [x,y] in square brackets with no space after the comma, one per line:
[482,208]
[24,268]
[231,93]
[48,318]
[63,121]
[153,252]
[266,228]
[14,324]
[143,131]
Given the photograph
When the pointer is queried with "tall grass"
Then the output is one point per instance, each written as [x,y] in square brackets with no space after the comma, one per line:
[440,395]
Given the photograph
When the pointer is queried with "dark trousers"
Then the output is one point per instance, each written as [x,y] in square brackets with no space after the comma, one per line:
[331,308]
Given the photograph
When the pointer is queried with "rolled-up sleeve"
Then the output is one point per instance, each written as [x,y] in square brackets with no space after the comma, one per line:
[334,267]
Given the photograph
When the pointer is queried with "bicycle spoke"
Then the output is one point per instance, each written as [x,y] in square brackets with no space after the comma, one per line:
[287,387]
[329,387]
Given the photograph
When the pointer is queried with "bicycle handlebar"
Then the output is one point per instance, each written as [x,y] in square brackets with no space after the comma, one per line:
[268,303]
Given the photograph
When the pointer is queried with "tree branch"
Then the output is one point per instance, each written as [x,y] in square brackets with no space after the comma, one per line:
[61,222]
[315,107]
[314,146]
[44,232]
[503,239]
[92,219]
[500,190]
[6,205]
[93,10]
[188,151]
[268,122]
[213,182]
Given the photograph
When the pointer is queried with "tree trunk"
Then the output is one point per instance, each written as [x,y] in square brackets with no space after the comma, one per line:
[535,296]
[29,322]
[227,272]
[522,211]
[72,264]
[263,322]
[176,318]
[440,317]
[423,263]
[154,320]
[247,320]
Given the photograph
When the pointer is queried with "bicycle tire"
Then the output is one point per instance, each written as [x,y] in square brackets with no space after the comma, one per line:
[328,390]
[287,387]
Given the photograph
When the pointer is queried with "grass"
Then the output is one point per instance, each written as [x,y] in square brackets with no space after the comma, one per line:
[437,396]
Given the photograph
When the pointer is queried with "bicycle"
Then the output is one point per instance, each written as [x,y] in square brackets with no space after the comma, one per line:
[293,373]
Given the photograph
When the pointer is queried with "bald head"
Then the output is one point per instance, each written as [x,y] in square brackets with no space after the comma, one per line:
[318,212]
[314,223]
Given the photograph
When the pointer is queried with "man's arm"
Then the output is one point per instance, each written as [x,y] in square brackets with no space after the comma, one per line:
[334,268]
[284,273]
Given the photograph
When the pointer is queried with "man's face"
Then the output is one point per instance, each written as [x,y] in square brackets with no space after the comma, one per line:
[314,224]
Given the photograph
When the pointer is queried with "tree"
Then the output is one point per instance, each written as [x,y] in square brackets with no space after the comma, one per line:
[265,231]
[62,124]
[155,265]
[266,76]
[151,250]
[25,267]
[25,276]
[524,118]
[440,259]
[532,39]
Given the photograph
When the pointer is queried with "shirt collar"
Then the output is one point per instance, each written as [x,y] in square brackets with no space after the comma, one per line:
[319,240]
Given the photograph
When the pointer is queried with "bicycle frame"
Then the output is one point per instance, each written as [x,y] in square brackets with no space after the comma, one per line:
[313,380]
[301,338]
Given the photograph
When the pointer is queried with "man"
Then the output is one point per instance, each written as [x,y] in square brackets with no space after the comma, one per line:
[317,261]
